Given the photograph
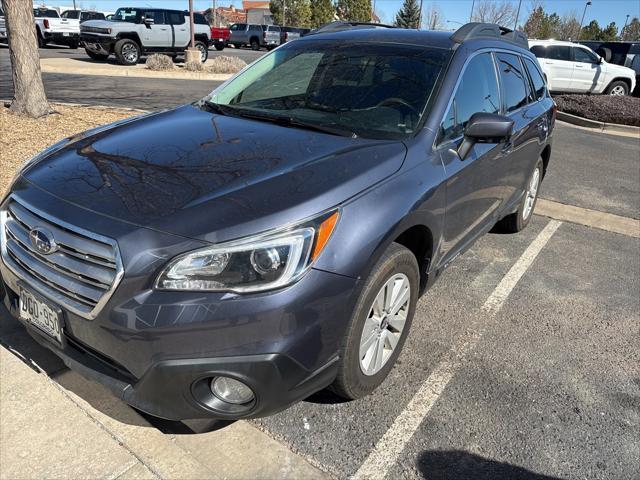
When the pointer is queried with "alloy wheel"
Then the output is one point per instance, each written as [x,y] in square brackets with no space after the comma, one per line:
[384,324]
[130,52]
[618,90]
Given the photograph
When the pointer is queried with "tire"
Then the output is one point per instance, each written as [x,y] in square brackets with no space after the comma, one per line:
[255,44]
[96,56]
[397,264]
[270,47]
[127,52]
[74,44]
[618,88]
[204,50]
[41,42]
[219,47]
[518,221]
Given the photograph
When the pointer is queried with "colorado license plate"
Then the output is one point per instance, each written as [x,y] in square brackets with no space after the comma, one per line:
[40,314]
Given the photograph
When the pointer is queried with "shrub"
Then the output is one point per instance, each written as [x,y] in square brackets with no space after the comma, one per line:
[193,66]
[159,62]
[226,64]
[602,108]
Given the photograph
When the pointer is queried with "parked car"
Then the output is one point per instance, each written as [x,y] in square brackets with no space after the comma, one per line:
[571,67]
[270,36]
[198,273]
[51,28]
[82,16]
[3,27]
[220,37]
[289,33]
[245,34]
[626,54]
[133,32]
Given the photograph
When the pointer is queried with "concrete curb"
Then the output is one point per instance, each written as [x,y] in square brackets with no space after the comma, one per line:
[82,67]
[612,128]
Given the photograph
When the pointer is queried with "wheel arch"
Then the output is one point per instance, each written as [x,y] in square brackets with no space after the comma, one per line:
[546,156]
[131,36]
[418,239]
[626,80]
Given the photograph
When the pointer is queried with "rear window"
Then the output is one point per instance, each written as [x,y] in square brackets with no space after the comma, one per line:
[238,26]
[71,14]
[514,88]
[200,19]
[536,78]
[45,13]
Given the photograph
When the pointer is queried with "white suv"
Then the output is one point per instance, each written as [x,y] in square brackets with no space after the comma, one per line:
[569,67]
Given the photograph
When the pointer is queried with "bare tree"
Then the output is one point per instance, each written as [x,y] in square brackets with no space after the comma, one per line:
[28,91]
[433,18]
[569,26]
[501,12]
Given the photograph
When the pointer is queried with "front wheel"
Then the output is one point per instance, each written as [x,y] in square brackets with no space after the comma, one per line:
[219,46]
[519,220]
[255,45]
[127,52]
[379,324]
[618,88]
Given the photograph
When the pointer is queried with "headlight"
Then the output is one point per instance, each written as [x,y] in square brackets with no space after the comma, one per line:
[252,264]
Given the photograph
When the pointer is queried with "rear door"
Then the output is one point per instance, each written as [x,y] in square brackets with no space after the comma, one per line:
[557,62]
[157,35]
[180,27]
[475,185]
[588,75]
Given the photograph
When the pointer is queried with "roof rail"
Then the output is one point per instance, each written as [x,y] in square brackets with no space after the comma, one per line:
[476,30]
[340,26]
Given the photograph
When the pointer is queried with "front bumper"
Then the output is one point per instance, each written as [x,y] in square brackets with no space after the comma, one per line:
[97,43]
[157,349]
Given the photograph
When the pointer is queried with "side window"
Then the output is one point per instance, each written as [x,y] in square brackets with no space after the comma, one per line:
[536,78]
[583,55]
[559,52]
[176,18]
[514,88]
[539,51]
[476,92]
[157,15]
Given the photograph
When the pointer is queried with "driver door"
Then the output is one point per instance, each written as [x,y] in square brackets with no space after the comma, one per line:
[587,71]
[157,35]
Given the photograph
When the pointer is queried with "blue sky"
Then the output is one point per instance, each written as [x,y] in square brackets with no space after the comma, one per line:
[604,11]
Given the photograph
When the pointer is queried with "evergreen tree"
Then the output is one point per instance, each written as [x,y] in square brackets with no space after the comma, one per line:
[610,33]
[322,11]
[354,10]
[409,15]
[631,33]
[534,24]
[591,31]
[297,12]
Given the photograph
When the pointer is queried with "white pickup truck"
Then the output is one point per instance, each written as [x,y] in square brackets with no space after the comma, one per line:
[3,27]
[50,27]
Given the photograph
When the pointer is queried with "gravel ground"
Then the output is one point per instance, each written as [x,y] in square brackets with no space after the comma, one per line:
[22,137]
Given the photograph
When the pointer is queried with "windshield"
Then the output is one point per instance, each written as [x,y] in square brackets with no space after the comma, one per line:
[45,13]
[131,15]
[71,14]
[373,90]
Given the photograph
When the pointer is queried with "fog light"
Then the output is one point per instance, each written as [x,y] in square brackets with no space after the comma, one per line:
[231,391]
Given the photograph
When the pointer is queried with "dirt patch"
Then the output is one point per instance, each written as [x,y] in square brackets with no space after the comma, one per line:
[22,137]
[602,108]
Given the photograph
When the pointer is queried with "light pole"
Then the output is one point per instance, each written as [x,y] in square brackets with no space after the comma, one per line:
[625,22]
[582,19]
[471,14]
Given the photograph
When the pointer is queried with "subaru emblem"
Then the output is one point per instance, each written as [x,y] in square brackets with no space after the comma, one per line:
[42,240]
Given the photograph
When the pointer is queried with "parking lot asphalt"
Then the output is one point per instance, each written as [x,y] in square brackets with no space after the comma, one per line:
[544,386]
[142,93]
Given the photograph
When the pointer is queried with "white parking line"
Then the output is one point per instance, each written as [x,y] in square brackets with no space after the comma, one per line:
[392,443]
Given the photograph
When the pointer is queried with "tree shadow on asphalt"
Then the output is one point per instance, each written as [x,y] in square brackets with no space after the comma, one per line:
[460,465]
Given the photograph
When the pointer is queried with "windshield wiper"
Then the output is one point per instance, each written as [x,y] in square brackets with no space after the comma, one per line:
[283,120]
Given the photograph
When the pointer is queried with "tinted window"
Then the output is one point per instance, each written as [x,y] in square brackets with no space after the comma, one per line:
[199,19]
[376,93]
[477,92]
[536,78]
[70,14]
[157,15]
[132,15]
[514,89]
[558,52]
[176,18]
[238,26]
[45,13]
[583,55]
[255,28]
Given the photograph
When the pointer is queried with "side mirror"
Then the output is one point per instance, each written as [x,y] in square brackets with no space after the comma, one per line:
[148,21]
[485,128]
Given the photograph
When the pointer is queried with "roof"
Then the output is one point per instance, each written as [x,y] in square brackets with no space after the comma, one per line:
[248,5]
[533,42]
[440,39]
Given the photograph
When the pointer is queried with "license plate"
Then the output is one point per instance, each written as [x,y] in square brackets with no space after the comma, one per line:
[40,314]
[65,34]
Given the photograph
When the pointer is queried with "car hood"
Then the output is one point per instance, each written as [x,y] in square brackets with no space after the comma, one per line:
[620,70]
[106,24]
[201,175]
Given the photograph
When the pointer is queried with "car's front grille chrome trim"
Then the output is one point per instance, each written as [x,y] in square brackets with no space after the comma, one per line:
[81,275]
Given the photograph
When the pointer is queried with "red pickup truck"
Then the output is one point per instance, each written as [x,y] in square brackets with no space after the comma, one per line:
[219,37]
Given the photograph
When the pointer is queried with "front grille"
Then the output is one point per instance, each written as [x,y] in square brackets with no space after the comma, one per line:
[87,29]
[80,275]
